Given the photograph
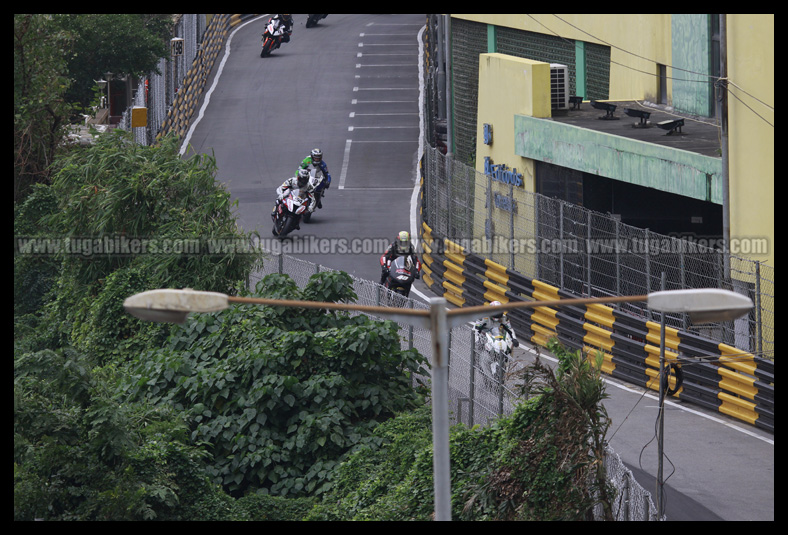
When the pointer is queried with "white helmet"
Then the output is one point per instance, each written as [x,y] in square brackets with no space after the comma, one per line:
[499,315]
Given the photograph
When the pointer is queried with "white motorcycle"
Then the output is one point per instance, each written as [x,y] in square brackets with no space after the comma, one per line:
[288,212]
[272,37]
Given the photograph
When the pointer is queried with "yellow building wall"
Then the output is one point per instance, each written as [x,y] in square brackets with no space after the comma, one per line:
[644,35]
[638,42]
[508,86]
[751,139]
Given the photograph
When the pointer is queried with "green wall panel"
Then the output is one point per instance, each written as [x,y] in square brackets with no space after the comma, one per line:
[646,164]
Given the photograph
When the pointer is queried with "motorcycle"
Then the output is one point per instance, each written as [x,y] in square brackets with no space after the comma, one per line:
[288,212]
[272,36]
[315,179]
[401,273]
[312,20]
[497,344]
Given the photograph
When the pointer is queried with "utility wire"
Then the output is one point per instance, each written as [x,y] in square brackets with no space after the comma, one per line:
[632,53]
[573,43]
[716,78]
[708,77]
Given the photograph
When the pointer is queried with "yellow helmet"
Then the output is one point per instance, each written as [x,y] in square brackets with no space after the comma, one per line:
[403,241]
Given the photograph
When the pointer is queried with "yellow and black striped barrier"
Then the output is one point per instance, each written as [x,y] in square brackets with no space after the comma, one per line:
[713,375]
[179,116]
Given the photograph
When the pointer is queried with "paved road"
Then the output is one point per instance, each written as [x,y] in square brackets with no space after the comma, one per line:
[716,467]
[348,86]
[351,87]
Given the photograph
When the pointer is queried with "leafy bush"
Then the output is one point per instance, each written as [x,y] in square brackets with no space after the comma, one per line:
[81,455]
[34,274]
[543,462]
[264,507]
[278,407]
[126,211]
[554,467]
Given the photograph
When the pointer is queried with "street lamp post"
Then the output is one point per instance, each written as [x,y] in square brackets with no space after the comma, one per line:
[173,306]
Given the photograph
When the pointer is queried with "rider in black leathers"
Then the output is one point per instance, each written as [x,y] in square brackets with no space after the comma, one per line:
[402,246]
[287,23]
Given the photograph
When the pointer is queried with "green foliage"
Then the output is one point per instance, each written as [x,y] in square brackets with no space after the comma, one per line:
[374,471]
[34,274]
[543,462]
[118,191]
[81,455]
[554,470]
[264,507]
[40,111]
[116,42]
[278,408]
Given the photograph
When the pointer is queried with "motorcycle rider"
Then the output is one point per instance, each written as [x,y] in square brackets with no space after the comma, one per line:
[315,161]
[287,23]
[300,181]
[496,321]
[402,246]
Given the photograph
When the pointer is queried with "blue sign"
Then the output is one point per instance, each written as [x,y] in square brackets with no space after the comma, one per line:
[502,173]
[504,202]
[487,130]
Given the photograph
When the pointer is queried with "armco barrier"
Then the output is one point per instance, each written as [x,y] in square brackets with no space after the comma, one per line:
[192,86]
[716,376]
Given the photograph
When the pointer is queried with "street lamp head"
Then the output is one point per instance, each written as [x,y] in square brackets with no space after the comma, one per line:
[172,306]
[704,305]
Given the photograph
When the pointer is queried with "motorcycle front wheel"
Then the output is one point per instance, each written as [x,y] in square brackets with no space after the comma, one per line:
[267,46]
[279,225]
[287,226]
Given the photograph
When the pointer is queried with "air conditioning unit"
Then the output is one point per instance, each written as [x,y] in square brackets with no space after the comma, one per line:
[559,86]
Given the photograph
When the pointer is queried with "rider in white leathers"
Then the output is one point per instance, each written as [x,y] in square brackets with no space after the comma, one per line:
[300,181]
[494,322]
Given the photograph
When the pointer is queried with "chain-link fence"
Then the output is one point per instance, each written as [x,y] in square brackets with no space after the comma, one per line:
[475,396]
[590,254]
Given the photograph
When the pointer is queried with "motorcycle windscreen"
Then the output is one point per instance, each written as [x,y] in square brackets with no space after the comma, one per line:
[402,270]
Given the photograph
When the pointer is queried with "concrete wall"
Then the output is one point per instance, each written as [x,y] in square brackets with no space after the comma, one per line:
[508,86]
[639,34]
[751,68]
